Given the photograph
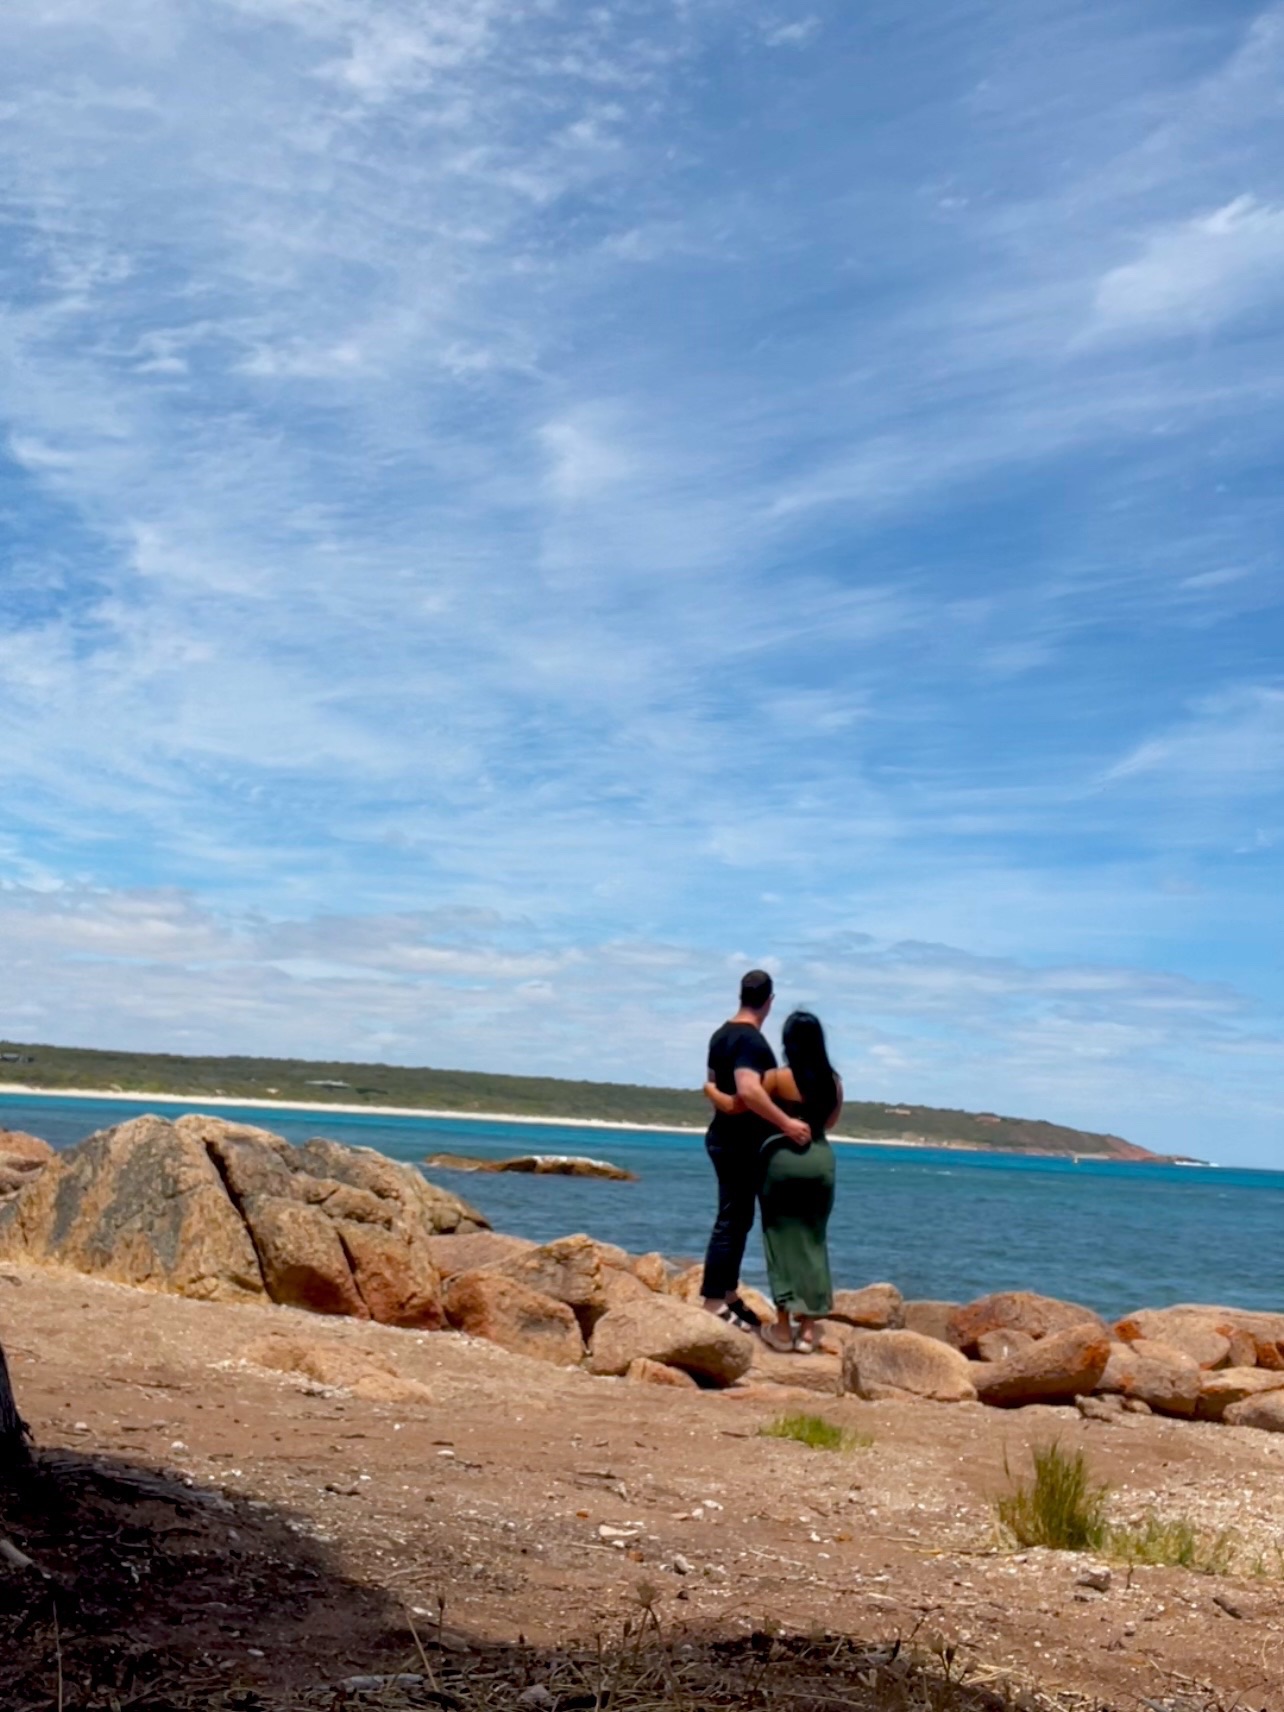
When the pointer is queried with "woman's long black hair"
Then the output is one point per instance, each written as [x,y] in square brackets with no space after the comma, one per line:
[804,1041]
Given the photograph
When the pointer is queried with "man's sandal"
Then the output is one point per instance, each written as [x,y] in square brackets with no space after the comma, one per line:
[744,1314]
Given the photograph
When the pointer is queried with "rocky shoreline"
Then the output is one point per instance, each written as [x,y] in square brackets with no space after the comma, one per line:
[217,1211]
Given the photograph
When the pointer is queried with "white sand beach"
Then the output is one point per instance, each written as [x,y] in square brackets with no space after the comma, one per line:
[335,1106]
[214,1100]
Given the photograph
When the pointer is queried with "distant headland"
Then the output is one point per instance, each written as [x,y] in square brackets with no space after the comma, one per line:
[357,1086]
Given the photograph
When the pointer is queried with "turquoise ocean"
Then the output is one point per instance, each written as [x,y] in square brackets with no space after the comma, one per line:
[934,1222]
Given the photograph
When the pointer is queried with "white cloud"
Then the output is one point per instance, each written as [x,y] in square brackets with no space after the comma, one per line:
[793,33]
[497,458]
[1097,1045]
[1232,744]
[584,460]
[1192,277]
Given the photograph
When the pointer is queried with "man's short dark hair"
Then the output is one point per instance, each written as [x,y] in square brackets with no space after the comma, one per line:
[755,990]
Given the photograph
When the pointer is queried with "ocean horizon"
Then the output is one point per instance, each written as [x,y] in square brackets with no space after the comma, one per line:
[936,1222]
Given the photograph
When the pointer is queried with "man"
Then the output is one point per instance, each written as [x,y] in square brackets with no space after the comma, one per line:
[739,1058]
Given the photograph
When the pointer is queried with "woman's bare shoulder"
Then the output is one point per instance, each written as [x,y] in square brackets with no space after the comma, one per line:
[781,1085]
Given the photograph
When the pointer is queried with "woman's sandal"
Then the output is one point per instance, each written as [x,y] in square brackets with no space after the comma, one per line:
[774,1338]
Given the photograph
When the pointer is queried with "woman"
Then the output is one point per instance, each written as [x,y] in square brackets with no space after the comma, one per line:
[796,1193]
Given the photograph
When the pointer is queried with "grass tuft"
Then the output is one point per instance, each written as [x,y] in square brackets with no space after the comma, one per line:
[815,1431]
[1064,1508]
[1178,1543]
[1061,1507]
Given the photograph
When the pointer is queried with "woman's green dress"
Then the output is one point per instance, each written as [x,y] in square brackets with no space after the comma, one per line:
[796,1199]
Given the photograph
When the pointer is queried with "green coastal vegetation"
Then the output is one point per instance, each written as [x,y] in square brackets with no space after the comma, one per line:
[478,1092]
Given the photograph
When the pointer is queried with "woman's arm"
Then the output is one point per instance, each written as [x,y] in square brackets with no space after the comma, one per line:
[727,1104]
[837,1112]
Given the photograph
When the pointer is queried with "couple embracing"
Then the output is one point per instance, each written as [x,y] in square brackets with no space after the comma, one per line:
[768,1146]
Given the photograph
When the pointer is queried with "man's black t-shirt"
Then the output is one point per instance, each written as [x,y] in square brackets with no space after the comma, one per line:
[738,1046]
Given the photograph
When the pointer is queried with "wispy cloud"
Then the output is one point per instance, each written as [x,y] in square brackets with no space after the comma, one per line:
[1097,1043]
[560,468]
[1231,745]
[1192,277]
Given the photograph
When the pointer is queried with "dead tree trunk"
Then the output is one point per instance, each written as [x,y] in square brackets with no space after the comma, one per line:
[13,1429]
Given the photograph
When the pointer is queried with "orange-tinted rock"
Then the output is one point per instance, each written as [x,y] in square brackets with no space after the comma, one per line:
[1053,1369]
[644,1371]
[998,1346]
[22,1152]
[877,1307]
[532,1165]
[1166,1379]
[382,1216]
[390,1388]
[141,1204]
[1107,1407]
[672,1332]
[394,1276]
[822,1373]
[1017,1310]
[887,1366]
[368,1376]
[1210,1340]
[686,1285]
[474,1250]
[653,1270]
[251,1161]
[1230,1385]
[506,1312]
[619,1287]
[572,1270]
[929,1319]
[1266,1330]
[203,1207]
[1265,1412]
[302,1258]
[415,1203]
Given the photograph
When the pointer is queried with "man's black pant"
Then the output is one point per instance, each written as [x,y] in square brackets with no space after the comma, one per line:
[737,1170]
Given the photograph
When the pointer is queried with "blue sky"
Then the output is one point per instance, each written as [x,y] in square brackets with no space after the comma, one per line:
[512,512]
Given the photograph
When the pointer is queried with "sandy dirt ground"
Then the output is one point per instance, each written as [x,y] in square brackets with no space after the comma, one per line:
[519,1500]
